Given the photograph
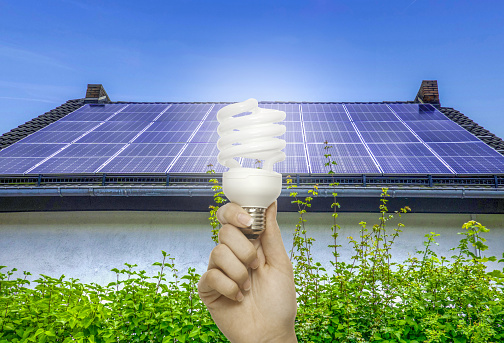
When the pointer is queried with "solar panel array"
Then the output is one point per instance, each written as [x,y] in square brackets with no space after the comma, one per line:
[390,139]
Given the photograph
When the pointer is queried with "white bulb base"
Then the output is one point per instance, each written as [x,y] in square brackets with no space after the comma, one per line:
[254,190]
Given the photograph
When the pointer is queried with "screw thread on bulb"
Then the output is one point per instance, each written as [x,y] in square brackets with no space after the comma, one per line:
[259,223]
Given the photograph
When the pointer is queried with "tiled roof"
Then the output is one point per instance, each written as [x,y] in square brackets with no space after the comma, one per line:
[39,122]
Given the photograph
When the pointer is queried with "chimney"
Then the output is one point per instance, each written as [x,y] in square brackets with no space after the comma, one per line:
[95,94]
[428,93]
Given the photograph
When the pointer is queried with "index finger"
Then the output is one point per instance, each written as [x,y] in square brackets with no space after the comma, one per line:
[233,214]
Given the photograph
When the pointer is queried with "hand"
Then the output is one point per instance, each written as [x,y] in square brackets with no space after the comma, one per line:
[249,285]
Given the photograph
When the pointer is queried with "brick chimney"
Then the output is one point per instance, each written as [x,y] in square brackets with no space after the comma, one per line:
[428,93]
[96,94]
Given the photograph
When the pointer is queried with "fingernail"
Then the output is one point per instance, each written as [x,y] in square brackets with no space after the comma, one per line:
[255,264]
[239,296]
[245,219]
[247,285]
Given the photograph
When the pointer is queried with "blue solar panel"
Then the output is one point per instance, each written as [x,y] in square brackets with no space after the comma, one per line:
[196,165]
[388,137]
[447,136]
[321,116]
[152,150]
[475,149]
[412,165]
[58,165]
[291,163]
[323,108]
[400,149]
[122,126]
[69,126]
[181,138]
[145,108]
[376,126]
[90,150]
[200,149]
[291,110]
[290,126]
[105,108]
[435,125]
[367,108]
[369,116]
[52,137]
[328,126]
[30,150]
[91,117]
[294,149]
[476,165]
[137,165]
[17,165]
[176,126]
[108,137]
[345,165]
[341,149]
[135,116]
[332,137]
[185,112]
[412,112]
[205,137]
[164,137]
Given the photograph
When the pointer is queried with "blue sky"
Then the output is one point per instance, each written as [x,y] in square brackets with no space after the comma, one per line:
[233,50]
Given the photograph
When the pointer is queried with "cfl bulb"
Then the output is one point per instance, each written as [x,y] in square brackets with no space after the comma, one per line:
[251,136]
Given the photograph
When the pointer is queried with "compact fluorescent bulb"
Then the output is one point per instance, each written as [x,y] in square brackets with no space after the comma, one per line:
[251,135]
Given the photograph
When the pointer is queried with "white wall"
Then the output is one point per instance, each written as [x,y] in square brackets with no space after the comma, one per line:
[86,245]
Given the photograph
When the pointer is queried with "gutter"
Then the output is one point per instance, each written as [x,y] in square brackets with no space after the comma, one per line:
[207,192]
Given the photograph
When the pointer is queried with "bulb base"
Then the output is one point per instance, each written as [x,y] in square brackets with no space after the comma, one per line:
[259,223]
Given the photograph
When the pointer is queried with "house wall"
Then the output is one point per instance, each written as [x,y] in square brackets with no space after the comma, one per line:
[87,245]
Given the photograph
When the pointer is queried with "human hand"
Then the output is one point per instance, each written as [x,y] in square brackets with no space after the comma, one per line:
[249,285]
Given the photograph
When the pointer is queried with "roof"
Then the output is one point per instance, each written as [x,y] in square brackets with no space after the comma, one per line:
[481,194]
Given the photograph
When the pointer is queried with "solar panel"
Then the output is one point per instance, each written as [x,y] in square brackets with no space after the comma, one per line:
[90,150]
[399,149]
[121,126]
[181,138]
[30,150]
[388,137]
[374,126]
[17,165]
[412,165]
[52,137]
[58,165]
[152,150]
[137,165]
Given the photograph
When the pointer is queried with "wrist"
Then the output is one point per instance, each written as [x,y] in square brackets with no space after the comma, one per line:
[288,337]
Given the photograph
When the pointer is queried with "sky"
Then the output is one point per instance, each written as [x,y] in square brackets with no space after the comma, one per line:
[318,50]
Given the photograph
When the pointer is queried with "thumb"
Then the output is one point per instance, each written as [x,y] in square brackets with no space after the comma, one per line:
[271,239]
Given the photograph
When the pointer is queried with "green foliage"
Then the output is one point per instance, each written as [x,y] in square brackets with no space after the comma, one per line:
[426,299]
[135,308]
[219,200]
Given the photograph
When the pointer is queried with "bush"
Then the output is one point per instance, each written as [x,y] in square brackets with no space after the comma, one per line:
[135,308]
[424,299]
